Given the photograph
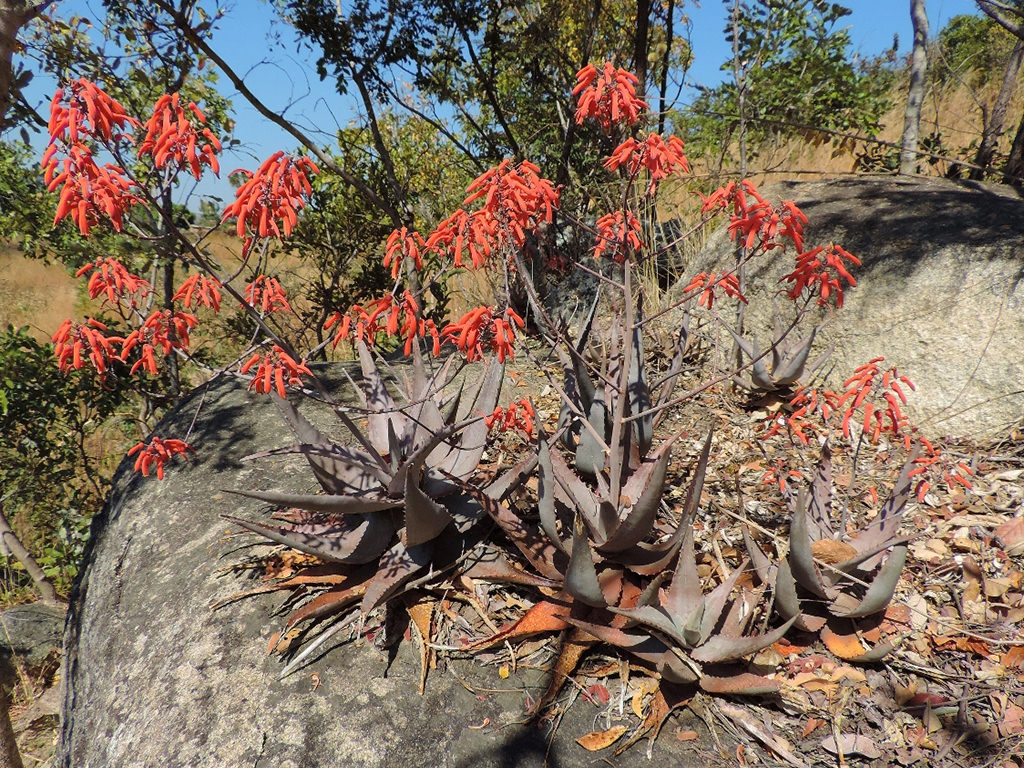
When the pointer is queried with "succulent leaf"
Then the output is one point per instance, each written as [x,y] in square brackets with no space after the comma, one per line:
[801,559]
[424,518]
[646,486]
[590,452]
[326,504]
[723,648]
[397,566]
[382,413]
[581,576]
[882,587]
[546,494]
[351,540]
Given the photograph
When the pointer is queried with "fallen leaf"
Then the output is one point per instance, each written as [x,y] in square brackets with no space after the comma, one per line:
[503,672]
[597,740]
[1011,535]
[598,694]
[687,735]
[812,725]
[852,744]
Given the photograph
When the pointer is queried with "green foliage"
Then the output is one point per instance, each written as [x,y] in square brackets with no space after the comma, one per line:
[50,482]
[797,76]
[972,48]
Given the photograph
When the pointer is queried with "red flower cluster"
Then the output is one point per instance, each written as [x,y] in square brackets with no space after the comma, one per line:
[385,315]
[111,278]
[73,339]
[272,195]
[89,193]
[618,234]
[936,464]
[82,101]
[403,244]
[706,282]
[271,371]
[804,403]
[519,416]
[201,291]
[756,219]
[821,269]
[164,329]
[157,451]
[172,135]
[266,294]
[661,158]
[516,200]
[484,327]
[778,473]
[868,380]
[608,96]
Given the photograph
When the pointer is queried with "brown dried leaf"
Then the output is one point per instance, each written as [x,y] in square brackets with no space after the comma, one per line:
[575,643]
[831,551]
[598,740]
[542,617]
[852,744]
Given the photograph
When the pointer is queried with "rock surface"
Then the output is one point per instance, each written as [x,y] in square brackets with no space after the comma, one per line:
[155,677]
[940,292]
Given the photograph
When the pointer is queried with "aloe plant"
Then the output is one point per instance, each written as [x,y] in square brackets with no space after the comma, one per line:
[827,573]
[393,509]
[788,361]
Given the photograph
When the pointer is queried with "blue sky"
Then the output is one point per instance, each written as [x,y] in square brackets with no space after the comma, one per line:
[257,45]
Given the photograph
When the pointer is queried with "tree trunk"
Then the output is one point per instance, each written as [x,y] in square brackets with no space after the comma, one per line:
[10,756]
[1013,173]
[993,127]
[9,542]
[915,95]
[640,45]
[14,14]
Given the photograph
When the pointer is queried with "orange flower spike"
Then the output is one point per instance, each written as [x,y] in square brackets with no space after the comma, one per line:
[157,451]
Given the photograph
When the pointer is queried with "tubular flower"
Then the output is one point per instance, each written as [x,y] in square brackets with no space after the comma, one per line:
[110,278]
[273,367]
[822,270]
[706,282]
[879,394]
[933,465]
[266,294]
[483,328]
[201,291]
[661,158]
[82,101]
[608,96]
[272,195]
[465,232]
[617,235]
[804,403]
[157,451]
[172,135]
[73,339]
[516,200]
[518,416]
[164,329]
[753,218]
[779,474]
[403,244]
[88,193]
[385,315]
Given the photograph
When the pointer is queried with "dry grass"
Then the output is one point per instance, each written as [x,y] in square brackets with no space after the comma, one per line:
[38,295]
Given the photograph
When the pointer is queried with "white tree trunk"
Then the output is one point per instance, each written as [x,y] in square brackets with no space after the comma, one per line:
[915,96]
